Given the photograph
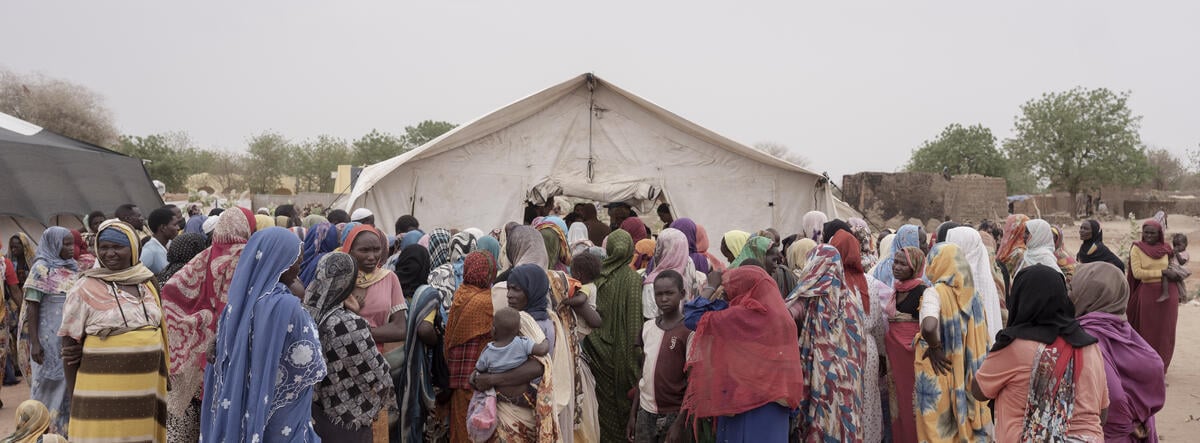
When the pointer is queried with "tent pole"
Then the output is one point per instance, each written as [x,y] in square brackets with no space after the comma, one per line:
[591,84]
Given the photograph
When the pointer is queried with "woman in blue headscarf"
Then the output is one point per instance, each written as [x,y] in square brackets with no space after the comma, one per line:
[51,275]
[259,386]
[321,239]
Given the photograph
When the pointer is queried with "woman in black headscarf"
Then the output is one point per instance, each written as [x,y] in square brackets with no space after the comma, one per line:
[412,268]
[1043,370]
[831,227]
[1093,248]
[183,249]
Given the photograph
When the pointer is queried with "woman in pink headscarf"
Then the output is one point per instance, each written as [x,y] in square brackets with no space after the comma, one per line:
[670,252]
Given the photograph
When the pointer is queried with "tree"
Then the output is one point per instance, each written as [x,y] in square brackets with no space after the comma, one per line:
[163,161]
[778,150]
[376,147]
[423,132]
[1079,139]
[59,106]
[318,159]
[960,150]
[269,152]
[1168,172]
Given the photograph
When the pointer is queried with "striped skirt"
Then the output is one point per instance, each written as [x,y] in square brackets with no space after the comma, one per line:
[121,390]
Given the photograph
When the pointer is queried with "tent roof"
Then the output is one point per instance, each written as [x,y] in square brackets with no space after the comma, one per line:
[44,174]
[528,106]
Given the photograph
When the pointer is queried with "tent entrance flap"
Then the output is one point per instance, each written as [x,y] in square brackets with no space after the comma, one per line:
[639,194]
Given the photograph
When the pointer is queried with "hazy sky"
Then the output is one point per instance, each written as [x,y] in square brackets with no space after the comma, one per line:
[851,86]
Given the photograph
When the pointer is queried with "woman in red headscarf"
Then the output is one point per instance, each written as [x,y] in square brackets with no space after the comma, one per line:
[1152,318]
[752,402]
[872,328]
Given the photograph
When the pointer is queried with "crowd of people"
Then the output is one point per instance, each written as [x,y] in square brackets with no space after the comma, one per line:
[283,326]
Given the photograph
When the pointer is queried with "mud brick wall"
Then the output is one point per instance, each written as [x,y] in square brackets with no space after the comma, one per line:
[885,196]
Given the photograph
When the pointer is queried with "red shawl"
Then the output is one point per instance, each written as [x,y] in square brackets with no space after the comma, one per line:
[856,279]
[195,296]
[1157,250]
[755,328]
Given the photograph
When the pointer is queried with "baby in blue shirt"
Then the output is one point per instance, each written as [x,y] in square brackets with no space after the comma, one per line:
[507,349]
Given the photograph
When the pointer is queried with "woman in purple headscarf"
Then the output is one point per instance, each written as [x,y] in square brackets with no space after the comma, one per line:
[688,227]
[1134,371]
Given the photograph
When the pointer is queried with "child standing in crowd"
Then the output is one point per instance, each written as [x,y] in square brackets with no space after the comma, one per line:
[1179,258]
[655,412]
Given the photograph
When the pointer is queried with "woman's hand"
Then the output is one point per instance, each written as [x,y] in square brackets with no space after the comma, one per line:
[937,358]
[72,353]
[481,382]
[35,351]
[578,299]
[1140,432]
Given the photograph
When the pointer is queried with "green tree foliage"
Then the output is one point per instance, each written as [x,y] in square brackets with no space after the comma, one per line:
[164,161]
[1168,171]
[1079,139]
[423,132]
[960,150]
[59,106]
[318,159]
[269,156]
[376,147]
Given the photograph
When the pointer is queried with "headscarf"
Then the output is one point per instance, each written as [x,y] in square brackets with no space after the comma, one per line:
[944,229]
[322,239]
[29,246]
[253,339]
[970,244]
[643,253]
[756,327]
[692,231]
[915,258]
[862,231]
[577,238]
[702,246]
[635,228]
[558,252]
[439,247]
[183,249]
[410,238]
[832,227]
[192,300]
[1154,251]
[963,336]
[735,241]
[447,277]
[1013,241]
[313,220]
[797,254]
[1099,287]
[412,269]
[812,224]
[532,279]
[756,248]
[489,244]
[377,274]
[906,236]
[885,246]
[263,221]
[136,273]
[856,278]
[1040,246]
[831,352]
[1065,262]
[1094,249]
[358,384]
[1040,310]
[670,253]
[344,229]
[32,420]
[525,245]
[1161,218]
[50,247]
[619,303]
[83,257]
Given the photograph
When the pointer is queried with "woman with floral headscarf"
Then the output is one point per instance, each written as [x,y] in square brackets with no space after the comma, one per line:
[183,249]
[871,325]
[1065,261]
[908,270]
[1012,244]
[193,298]
[51,277]
[352,360]
[83,255]
[862,231]
[468,330]
[115,313]
[557,250]
[828,319]
[446,277]
[259,386]
[949,351]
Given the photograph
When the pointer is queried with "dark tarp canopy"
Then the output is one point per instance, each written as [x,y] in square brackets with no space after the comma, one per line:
[43,174]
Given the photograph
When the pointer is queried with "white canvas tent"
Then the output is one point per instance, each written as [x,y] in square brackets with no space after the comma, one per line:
[588,138]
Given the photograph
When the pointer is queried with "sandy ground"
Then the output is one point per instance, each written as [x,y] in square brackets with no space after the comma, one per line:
[1178,421]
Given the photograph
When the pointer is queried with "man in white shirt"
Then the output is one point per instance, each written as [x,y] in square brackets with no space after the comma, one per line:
[165,226]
